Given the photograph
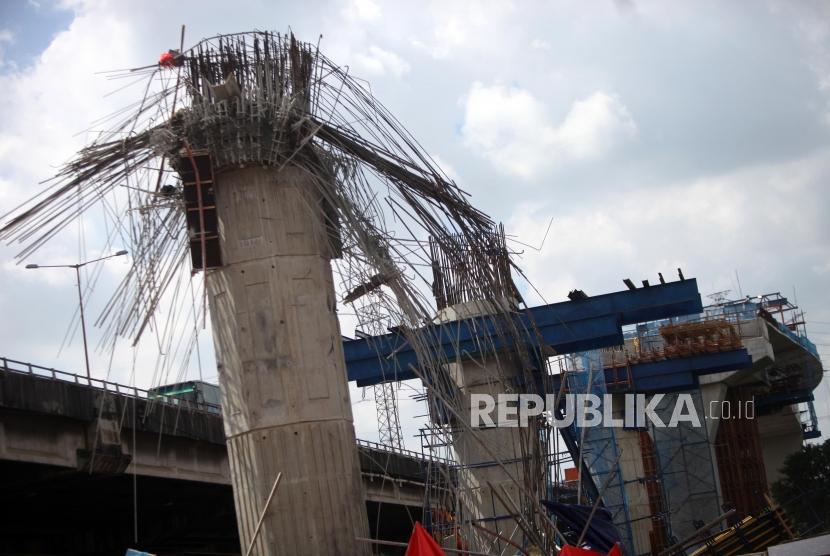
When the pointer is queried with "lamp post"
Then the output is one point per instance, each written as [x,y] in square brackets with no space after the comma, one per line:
[77,268]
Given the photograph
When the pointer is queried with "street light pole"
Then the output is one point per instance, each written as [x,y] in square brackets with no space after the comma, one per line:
[83,321]
[77,268]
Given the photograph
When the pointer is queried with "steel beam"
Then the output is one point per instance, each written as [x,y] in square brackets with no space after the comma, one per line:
[565,327]
[672,375]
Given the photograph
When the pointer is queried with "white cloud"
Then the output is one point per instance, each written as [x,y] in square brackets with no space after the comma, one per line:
[594,124]
[813,31]
[625,6]
[46,106]
[463,24]
[710,227]
[378,61]
[507,126]
[448,169]
[511,128]
[6,38]
[363,10]
[540,44]
[823,267]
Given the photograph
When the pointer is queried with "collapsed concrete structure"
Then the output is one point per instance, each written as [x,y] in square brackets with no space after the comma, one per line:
[501,474]
[276,151]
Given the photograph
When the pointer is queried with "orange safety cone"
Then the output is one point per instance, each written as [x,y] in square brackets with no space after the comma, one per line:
[421,543]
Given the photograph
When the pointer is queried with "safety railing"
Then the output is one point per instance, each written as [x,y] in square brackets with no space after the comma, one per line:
[735,314]
[403,451]
[797,338]
[23,367]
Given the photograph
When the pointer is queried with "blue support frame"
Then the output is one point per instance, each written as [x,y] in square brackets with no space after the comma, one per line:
[777,399]
[566,327]
[674,375]
[599,449]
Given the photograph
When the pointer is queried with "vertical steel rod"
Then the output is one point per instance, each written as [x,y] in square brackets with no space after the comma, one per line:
[262,514]
[83,322]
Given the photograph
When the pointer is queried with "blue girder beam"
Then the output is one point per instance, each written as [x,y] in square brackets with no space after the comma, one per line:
[670,375]
[566,327]
[778,399]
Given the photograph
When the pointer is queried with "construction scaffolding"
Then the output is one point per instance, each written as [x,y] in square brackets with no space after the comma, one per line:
[598,452]
[373,320]
[741,461]
[685,468]
[653,482]
[809,421]
[671,480]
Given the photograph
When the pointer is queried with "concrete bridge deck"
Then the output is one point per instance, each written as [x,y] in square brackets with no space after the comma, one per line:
[80,459]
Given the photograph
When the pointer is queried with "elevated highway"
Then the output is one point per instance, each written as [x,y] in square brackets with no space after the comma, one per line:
[85,465]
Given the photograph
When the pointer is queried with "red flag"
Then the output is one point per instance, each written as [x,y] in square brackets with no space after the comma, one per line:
[171,59]
[166,59]
[569,550]
[421,543]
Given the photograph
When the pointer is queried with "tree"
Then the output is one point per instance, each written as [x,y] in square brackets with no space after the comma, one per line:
[804,489]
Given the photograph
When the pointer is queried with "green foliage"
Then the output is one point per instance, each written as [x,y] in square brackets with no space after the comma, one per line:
[804,489]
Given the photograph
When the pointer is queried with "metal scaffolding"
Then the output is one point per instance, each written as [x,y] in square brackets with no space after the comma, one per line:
[598,444]
[373,320]
[684,460]
[386,405]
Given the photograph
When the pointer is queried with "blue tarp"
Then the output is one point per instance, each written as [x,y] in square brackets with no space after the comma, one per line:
[601,535]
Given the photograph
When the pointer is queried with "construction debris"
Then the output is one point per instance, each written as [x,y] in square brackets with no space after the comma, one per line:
[257,177]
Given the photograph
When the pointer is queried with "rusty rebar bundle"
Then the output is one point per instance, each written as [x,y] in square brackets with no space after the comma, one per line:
[266,99]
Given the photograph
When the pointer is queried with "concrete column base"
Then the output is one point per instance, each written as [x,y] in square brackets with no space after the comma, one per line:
[282,374]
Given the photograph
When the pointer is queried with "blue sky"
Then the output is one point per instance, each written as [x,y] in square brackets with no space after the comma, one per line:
[31,27]
[693,135]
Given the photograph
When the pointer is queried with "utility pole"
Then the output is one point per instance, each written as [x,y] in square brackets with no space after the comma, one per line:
[77,268]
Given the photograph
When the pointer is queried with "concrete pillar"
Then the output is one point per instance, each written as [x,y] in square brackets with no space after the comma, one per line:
[478,468]
[490,374]
[634,478]
[713,391]
[282,374]
[781,435]
[712,395]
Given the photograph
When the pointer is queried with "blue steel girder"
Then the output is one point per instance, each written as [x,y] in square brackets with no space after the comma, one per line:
[681,373]
[670,375]
[565,327]
[778,399]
